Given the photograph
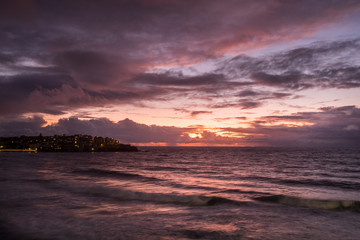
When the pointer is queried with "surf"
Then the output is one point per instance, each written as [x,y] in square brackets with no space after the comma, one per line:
[166,198]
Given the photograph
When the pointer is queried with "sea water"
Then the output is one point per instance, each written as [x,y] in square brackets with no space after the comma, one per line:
[182,193]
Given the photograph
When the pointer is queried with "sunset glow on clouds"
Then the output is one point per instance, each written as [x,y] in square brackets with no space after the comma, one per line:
[186,73]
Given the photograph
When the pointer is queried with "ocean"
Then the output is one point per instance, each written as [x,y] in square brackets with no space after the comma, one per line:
[182,193]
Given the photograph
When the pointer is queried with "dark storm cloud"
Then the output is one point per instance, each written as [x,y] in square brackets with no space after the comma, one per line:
[21,126]
[16,91]
[327,65]
[125,96]
[56,93]
[203,86]
[89,53]
[97,68]
[88,67]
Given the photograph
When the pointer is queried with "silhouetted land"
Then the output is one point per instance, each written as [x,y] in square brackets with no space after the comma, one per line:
[64,143]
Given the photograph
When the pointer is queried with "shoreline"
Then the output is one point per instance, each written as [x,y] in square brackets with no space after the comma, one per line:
[18,150]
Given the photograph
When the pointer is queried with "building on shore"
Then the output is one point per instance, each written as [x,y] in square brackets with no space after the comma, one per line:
[64,143]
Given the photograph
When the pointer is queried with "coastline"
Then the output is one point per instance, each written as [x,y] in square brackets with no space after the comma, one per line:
[18,150]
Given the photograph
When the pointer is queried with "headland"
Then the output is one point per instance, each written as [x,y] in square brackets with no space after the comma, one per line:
[63,143]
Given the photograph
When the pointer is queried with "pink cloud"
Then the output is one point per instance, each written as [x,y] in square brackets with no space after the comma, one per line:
[330,127]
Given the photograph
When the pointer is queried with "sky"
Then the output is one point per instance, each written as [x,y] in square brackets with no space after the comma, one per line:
[183,73]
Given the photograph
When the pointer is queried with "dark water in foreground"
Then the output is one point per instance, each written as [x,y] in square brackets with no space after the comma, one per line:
[181,193]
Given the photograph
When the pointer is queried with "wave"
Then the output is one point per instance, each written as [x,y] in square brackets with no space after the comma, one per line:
[165,168]
[204,234]
[242,191]
[111,173]
[313,203]
[122,175]
[326,183]
[308,182]
[125,195]
[351,170]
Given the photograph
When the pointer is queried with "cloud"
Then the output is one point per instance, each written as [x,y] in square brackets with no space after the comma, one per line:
[21,126]
[17,92]
[178,79]
[248,93]
[242,104]
[87,78]
[125,130]
[195,113]
[322,64]
[230,118]
[249,99]
[57,57]
[332,126]
[97,68]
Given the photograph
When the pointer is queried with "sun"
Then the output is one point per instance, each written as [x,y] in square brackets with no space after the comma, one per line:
[195,135]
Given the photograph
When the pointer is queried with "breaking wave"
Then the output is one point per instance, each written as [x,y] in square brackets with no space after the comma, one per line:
[313,203]
[124,195]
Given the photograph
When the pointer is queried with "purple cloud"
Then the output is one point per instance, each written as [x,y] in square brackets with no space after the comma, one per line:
[59,57]
[92,53]
[325,65]
[329,127]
